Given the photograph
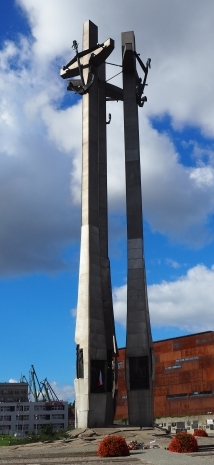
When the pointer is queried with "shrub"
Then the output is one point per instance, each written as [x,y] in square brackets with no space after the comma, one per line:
[200,432]
[183,442]
[113,446]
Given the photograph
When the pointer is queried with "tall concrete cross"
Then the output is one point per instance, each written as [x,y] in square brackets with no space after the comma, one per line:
[139,358]
[95,333]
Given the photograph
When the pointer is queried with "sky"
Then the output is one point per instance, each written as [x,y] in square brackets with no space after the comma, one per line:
[40,175]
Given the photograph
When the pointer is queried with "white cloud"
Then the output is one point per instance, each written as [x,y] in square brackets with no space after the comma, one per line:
[64,392]
[11,380]
[74,312]
[203,176]
[177,36]
[120,303]
[174,202]
[37,218]
[177,200]
[186,303]
[41,143]
[172,263]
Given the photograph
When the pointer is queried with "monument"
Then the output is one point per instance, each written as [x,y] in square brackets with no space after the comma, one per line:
[95,331]
[139,358]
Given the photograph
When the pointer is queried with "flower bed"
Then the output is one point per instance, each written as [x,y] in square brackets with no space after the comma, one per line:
[113,446]
[183,442]
[200,432]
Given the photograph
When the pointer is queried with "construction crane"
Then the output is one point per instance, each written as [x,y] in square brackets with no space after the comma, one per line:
[23,379]
[40,390]
[34,386]
[49,392]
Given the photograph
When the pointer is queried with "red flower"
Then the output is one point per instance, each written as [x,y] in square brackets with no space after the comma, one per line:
[113,446]
[183,442]
[200,432]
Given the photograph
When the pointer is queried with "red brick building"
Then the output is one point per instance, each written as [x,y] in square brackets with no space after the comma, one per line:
[184,377]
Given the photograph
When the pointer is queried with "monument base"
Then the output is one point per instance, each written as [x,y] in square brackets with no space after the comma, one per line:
[90,408]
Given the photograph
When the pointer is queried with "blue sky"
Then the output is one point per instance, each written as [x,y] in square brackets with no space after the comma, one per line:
[40,152]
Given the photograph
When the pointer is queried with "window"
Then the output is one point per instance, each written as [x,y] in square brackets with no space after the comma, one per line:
[194,424]
[19,427]
[37,426]
[19,407]
[175,396]
[25,427]
[173,367]
[188,359]
[201,393]
[58,426]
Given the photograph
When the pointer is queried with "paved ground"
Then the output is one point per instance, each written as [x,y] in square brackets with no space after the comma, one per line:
[82,446]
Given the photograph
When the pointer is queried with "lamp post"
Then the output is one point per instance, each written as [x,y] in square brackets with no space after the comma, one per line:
[2,425]
[19,406]
[3,421]
[18,424]
[36,418]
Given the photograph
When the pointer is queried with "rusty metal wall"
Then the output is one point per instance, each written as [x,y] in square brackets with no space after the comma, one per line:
[184,379]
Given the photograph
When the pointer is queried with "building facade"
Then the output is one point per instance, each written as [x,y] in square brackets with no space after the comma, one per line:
[24,417]
[13,392]
[184,378]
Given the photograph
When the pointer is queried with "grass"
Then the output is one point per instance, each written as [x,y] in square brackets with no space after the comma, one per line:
[46,434]
[7,440]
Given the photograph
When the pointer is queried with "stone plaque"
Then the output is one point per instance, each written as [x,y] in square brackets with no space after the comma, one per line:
[139,372]
[79,366]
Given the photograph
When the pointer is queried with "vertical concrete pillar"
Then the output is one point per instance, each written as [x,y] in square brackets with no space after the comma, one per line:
[138,340]
[94,402]
[105,262]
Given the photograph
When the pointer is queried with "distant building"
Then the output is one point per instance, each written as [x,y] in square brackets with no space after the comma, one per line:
[184,379]
[13,392]
[25,417]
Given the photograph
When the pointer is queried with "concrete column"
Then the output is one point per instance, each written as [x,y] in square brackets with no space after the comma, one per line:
[138,340]
[90,330]
[105,262]
[94,339]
